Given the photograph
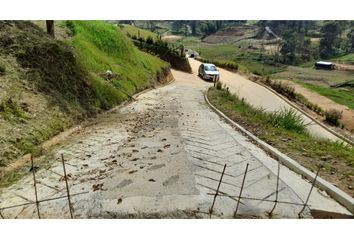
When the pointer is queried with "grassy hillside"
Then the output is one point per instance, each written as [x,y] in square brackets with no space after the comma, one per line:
[100,47]
[47,85]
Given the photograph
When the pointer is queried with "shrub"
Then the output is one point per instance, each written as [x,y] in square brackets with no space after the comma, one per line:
[2,70]
[10,109]
[149,40]
[229,65]
[71,26]
[284,89]
[218,85]
[332,116]
[288,119]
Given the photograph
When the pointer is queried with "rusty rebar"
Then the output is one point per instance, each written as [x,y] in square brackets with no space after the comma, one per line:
[67,186]
[308,197]
[276,191]
[239,197]
[256,199]
[217,191]
[40,201]
[35,186]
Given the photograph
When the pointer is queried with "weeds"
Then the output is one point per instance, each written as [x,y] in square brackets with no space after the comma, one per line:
[333,116]
[289,92]
[286,119]
[284,89]
[11,111]
[218,85]
[2,70]
[289,120]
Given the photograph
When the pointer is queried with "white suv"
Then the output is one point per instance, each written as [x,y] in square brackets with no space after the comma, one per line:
[208,71]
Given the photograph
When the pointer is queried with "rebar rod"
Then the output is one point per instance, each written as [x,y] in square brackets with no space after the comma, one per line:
[308,197]
[277,190]
[67,186]
[239,197]
[35,186]
[217,191]
[40,201]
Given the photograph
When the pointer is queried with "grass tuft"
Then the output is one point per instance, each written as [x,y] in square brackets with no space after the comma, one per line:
[333,116]
[289,120]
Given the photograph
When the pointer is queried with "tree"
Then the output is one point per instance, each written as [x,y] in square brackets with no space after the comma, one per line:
[330,41]
[50,27]
[351,39]
[288,49]
[296,46]
[193,24]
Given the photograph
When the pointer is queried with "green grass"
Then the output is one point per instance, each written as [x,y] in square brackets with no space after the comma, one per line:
[100,47]
[306,74]
[344,97]
[284,119]
[29,144]
[283,134]
[10,110]
[138,32]
[345,58]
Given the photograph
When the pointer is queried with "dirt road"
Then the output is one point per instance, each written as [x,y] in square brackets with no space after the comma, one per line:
[161,156]
[261,97]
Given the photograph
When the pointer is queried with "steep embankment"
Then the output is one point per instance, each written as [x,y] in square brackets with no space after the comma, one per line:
[47,85]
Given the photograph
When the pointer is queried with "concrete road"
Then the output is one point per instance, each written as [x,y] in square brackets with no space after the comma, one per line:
[261,97]
[162,156]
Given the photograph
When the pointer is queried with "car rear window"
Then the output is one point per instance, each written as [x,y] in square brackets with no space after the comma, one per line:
[210,68]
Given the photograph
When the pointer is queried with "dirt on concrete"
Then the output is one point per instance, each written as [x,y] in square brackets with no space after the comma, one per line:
[161,156]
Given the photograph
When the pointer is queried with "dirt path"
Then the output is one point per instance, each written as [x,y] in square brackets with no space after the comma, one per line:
[326,104]
[162,157]
[261,97]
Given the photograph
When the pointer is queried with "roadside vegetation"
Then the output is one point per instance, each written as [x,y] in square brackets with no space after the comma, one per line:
[289,92]
[286,131]
[151,43]
[339,95]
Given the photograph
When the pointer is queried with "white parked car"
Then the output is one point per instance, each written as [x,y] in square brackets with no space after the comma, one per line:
[208,71]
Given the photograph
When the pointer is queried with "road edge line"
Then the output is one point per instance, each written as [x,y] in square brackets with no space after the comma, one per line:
[340,196]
